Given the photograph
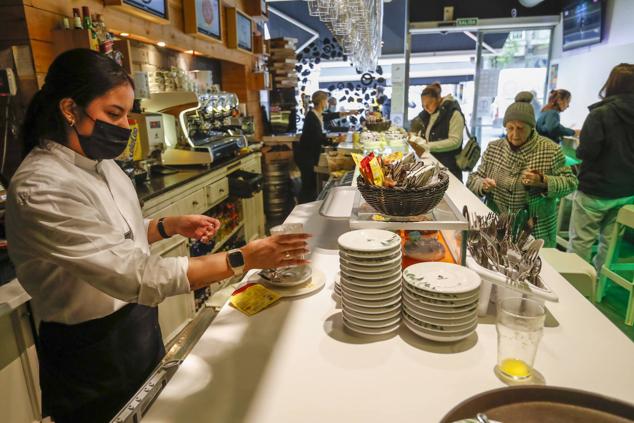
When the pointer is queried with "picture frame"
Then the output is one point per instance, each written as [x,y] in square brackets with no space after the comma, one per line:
[156,11]
[203,18]
[239,30]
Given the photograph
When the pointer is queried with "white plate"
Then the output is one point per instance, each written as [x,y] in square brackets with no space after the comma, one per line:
[431,336]
[440,311]
[367,331]
[372,297]
[365,259]
[440,329]
[440,321]
[391,274]
[373,265]
[350,266]
[442,277]
[426,295]
[317,281]
[440,302]
[396,299]
[369,283]
[290,277]
[369,240]
[371,324]
[370,310]
[391,253]
[374,290]
[373,317]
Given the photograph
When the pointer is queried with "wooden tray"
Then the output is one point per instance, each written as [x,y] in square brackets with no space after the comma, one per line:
[542,404]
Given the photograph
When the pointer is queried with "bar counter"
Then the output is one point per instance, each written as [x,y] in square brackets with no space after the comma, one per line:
[294,362]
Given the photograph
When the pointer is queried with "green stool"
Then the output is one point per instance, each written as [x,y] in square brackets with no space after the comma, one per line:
[615,271]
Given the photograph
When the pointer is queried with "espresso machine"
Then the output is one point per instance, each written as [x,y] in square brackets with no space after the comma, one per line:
[204,130]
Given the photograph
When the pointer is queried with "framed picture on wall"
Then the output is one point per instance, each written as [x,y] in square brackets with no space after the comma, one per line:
[203,17]
[152,10]
[239,30]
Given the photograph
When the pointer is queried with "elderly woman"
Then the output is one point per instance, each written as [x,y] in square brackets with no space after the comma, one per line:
[524,171]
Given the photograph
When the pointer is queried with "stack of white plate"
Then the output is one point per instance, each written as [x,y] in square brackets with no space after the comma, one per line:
[370,264]
[440,301]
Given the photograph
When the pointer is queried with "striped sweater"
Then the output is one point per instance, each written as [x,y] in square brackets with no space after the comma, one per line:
[505,166]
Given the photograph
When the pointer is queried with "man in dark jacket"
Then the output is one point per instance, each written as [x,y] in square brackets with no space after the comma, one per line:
[606,178]
[308,149]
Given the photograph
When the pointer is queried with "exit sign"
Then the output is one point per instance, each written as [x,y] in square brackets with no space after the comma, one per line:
[467,22]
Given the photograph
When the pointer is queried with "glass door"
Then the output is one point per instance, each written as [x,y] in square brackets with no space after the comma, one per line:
[521,64]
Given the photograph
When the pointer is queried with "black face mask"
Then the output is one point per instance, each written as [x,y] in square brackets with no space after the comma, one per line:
[107,141]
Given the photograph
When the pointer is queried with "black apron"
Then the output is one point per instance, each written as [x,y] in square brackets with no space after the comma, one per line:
[90,370]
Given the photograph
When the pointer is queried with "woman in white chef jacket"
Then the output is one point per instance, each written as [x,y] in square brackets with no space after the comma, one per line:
[81,246]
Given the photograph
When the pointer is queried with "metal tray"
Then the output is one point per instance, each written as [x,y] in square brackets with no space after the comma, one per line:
[444,216]
[339,203]
[542,404]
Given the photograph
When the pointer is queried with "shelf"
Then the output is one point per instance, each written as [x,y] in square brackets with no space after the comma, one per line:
[222,242]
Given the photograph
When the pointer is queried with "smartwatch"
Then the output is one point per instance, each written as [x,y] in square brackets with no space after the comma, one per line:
[235,260]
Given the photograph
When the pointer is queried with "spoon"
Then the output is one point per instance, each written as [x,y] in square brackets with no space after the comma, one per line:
[482,418]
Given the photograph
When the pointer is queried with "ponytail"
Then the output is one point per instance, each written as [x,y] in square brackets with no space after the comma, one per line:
[554,96]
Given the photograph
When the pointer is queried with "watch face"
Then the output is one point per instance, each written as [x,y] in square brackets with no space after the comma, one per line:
[236,259]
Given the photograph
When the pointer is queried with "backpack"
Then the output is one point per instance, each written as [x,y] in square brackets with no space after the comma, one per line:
[470,154]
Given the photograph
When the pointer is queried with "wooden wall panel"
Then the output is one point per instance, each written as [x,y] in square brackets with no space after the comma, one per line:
[13,23]
[42,16]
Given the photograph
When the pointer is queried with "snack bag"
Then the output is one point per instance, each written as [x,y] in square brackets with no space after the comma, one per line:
[377,172]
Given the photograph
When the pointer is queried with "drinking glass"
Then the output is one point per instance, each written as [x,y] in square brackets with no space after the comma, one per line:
[520,325]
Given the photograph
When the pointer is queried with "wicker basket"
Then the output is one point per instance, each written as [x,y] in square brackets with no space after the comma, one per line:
[404,201]
[378,126]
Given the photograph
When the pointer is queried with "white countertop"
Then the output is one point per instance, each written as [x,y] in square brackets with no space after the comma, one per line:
[294,363]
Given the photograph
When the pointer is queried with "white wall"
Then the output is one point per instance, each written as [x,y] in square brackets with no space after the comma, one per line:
[583,71]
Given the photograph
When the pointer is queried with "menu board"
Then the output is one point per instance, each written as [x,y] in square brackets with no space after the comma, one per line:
[154,7]
[245,31]
[208,18]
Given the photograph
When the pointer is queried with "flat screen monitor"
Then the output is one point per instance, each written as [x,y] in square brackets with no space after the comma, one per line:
[583,23]
[245,32]
[154,7]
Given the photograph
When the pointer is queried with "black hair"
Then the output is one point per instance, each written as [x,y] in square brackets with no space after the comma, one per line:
[79,74]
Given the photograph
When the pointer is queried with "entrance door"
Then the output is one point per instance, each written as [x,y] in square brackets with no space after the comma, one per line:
[521,64]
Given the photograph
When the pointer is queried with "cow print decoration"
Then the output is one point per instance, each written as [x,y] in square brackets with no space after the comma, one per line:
[328,49]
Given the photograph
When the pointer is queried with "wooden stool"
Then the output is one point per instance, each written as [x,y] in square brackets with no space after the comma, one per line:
[574,269]
[621,273]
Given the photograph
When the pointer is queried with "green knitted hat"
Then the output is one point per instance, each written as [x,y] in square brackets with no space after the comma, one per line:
[521,110]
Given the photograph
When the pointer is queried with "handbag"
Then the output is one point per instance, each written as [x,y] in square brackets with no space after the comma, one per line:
[470,154]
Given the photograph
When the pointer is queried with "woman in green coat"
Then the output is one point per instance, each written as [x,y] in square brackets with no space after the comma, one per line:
[524,170]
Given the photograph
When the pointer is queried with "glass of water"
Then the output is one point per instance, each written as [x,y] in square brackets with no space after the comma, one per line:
[520,325]
[288,228]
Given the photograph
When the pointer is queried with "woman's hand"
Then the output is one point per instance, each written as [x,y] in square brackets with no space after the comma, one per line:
[533,178]
[488,184]
[276,251]
[199,227]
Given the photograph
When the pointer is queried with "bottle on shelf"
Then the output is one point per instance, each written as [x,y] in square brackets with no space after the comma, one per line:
[88,25]
[103,36]
[65,22]
[77,19]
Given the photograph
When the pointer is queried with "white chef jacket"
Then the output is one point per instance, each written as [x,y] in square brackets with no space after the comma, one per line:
[78,240]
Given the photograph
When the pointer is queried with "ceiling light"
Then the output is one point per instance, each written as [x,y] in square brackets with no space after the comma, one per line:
[161,44]
[189,51]
[124,34]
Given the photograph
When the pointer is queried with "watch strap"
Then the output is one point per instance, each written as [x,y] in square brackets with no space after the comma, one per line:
[161,228]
